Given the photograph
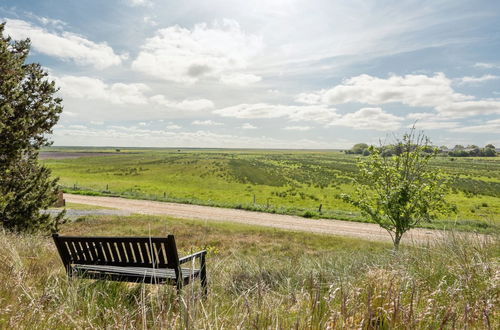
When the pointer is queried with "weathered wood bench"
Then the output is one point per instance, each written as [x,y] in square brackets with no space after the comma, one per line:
[152,260]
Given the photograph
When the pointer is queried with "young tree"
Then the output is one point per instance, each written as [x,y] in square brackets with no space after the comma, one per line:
[28,111]
[400,191]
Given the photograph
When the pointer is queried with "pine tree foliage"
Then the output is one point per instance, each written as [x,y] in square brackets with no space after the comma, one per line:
[28,111]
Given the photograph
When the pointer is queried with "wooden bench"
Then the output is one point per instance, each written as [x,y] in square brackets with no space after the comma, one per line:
[152,260]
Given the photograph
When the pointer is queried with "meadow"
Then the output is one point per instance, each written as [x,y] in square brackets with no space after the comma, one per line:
[258,278]
[305,183]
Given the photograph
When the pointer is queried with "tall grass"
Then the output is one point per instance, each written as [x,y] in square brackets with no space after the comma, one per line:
[261,279]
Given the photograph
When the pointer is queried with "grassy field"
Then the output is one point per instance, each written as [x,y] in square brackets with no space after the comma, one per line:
[290,182]
[258,278]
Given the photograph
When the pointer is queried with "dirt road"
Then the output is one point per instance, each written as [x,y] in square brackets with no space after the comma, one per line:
[186,211]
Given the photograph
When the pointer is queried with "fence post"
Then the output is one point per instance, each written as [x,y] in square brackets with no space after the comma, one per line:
[253,199]
[320,206]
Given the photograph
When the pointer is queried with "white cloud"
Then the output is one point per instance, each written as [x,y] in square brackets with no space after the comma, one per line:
[188,105]
[81,127]
[469,108]
[134,136]
[96,122]
[491,126]
[264,110]
[370,118]
[50,21]
[430,125]
[143,124]
[412,90]
[172,126]
[421,115]
[248,126]
[475,80]
[239,79]
[65,45]
[81,87]
[321,115]
[93,88]
[207,51]
[150,21]
[140,3]
[67,113]
[297,128]
[484,65]
[309,98]
[428,120]
[206,123]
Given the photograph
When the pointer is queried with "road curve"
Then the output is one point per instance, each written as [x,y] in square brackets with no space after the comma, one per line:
[288,222]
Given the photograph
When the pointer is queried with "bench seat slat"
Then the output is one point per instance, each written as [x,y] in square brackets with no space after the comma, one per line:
[135,274]
[161,272]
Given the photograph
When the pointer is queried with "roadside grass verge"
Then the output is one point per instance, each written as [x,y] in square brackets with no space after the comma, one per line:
[83,207]
[485,226]
[258,278]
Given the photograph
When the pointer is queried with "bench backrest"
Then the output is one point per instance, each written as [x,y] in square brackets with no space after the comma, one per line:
[151,252]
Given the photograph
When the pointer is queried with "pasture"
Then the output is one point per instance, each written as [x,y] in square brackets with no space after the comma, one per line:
[258,278]
[305,183]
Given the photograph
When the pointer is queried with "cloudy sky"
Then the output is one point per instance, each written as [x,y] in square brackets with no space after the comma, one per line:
[266,74]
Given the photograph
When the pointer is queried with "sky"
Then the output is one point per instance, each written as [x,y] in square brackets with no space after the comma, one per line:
[299,74]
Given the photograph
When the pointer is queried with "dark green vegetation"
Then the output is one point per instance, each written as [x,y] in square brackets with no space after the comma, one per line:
[258,278]
[401,191]
[28,111]
[458,151]
[473,151]
[292,182]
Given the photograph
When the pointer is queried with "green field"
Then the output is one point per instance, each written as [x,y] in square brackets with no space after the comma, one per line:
[280,181]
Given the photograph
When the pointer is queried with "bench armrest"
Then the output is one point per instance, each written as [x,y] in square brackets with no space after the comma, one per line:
[192,256]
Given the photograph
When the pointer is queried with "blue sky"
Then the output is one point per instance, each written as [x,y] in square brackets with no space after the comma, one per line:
[266,74]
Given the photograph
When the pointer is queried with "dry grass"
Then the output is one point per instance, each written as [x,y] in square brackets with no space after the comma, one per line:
[259,278]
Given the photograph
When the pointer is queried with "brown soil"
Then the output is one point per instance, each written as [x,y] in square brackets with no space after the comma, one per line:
[64,154]
[322,226]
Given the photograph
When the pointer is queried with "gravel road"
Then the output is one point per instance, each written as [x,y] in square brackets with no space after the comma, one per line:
[322,226]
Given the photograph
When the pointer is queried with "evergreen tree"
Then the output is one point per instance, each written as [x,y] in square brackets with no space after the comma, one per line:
[28,111]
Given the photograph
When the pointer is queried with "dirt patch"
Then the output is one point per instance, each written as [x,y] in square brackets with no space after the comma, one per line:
[322,226]
[65,155]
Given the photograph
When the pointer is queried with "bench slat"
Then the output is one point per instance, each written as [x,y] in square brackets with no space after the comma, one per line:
[85,250]
[92,251]
[72,251]
[137,252]
[130,254]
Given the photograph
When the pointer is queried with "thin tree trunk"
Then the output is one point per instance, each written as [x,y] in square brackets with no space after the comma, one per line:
[397,239]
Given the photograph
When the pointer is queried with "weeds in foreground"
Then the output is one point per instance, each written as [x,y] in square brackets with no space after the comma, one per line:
[453,284]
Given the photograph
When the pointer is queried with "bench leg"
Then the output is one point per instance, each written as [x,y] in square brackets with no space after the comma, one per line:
[179,286]
[203,275]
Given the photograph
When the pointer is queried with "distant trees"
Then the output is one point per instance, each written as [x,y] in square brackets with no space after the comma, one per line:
[457,151]
[28,111]
[400,190]
[358,149]
[473,151]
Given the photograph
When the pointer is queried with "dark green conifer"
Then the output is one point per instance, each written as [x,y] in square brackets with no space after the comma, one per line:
[28,111]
